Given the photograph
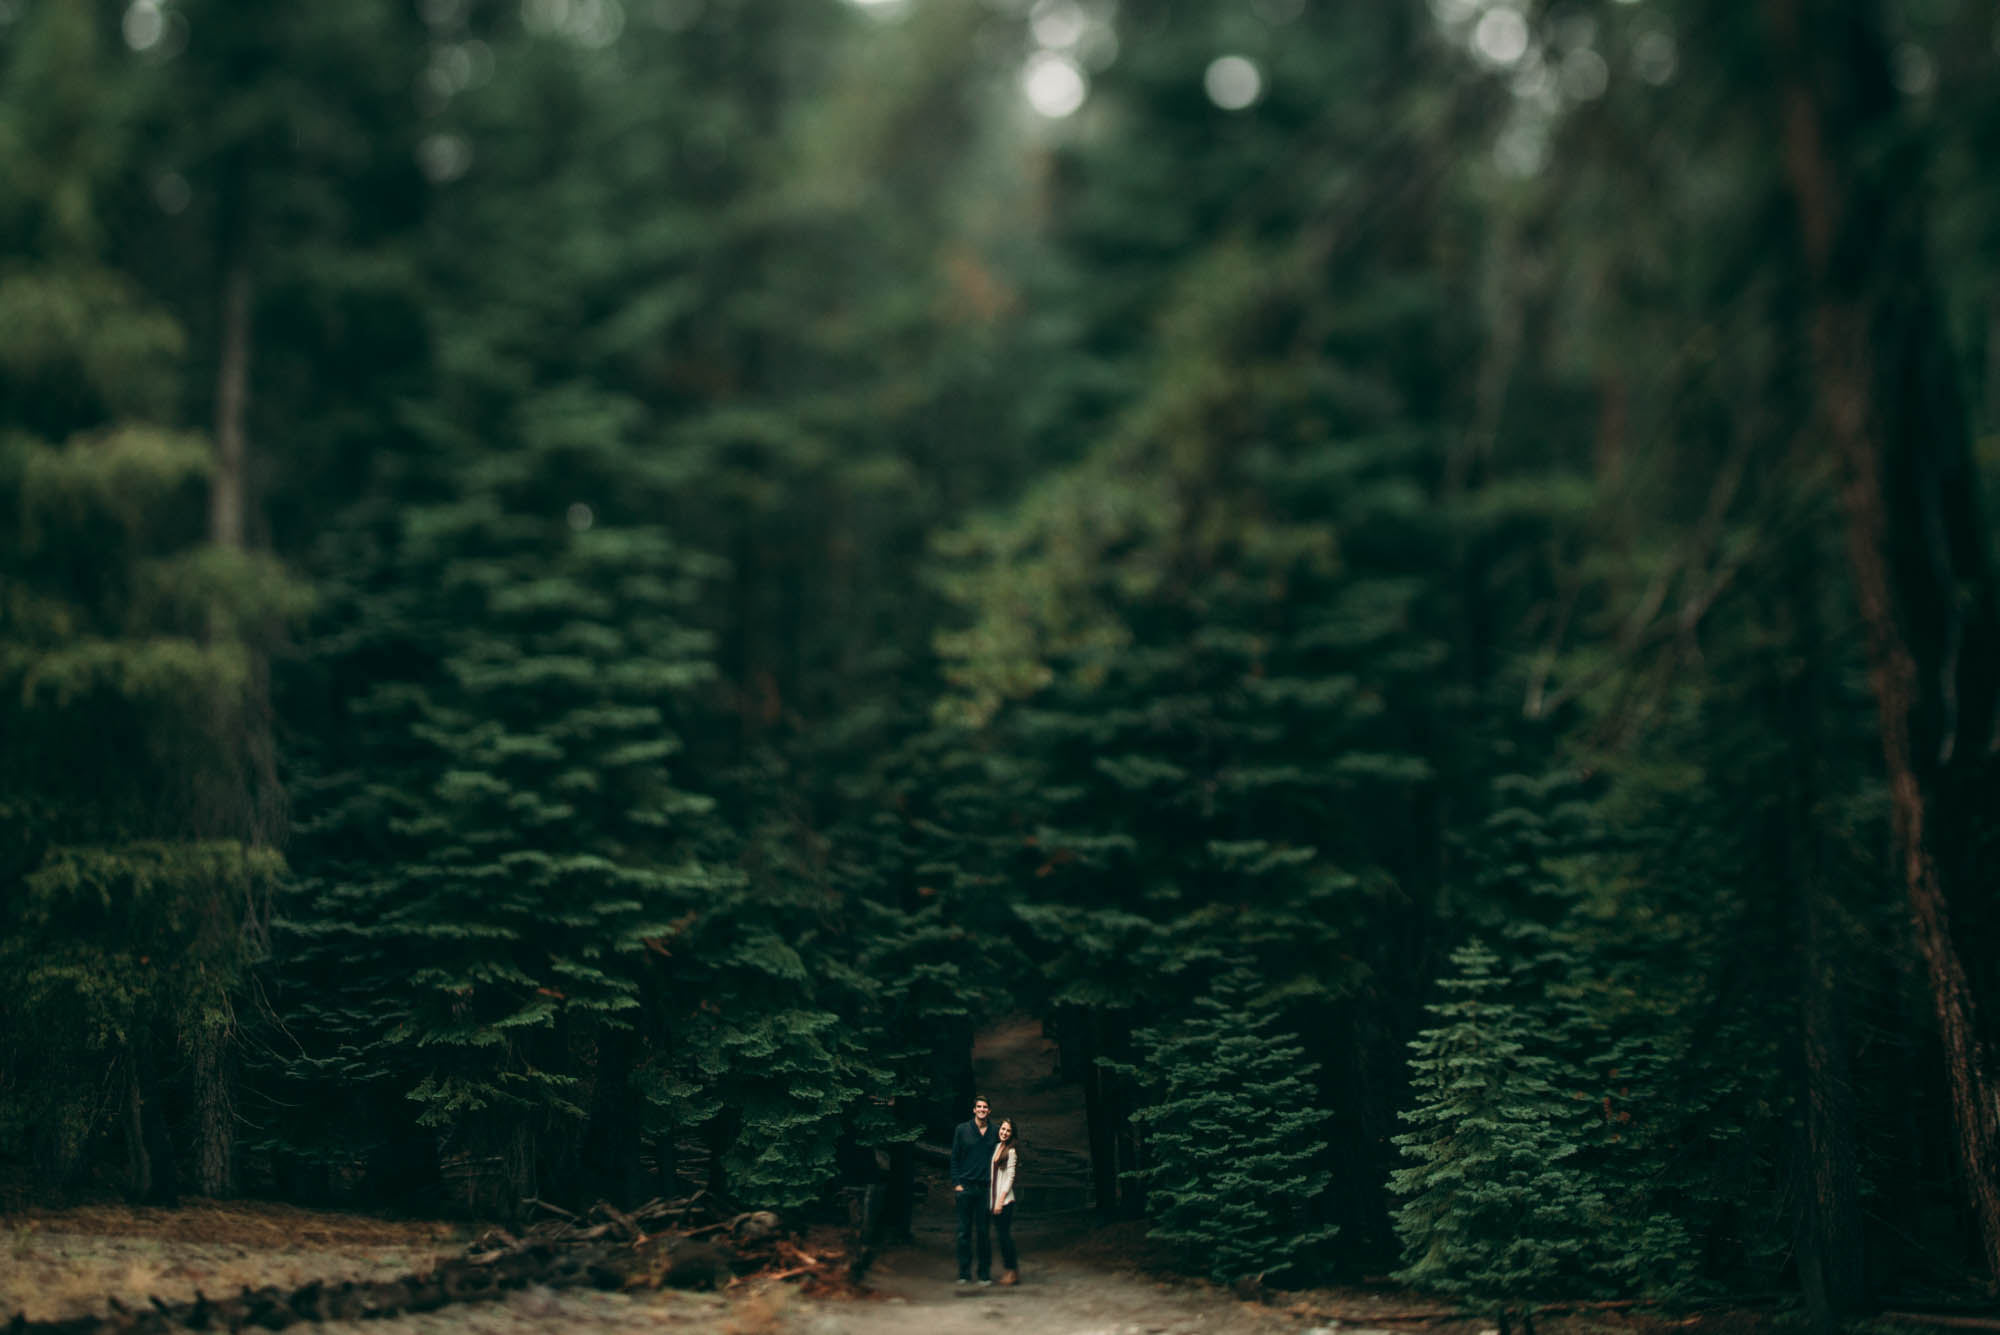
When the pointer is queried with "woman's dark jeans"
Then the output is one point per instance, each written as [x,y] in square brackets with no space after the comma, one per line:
[1003,1233]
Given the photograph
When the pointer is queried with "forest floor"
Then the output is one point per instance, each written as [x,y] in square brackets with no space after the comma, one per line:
[1082,1277]
[1078,1276]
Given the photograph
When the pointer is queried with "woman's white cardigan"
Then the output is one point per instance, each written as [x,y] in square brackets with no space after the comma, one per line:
[1002,1192]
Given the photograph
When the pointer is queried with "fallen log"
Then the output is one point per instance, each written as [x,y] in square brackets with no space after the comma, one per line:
[540,1204]
[618,1219]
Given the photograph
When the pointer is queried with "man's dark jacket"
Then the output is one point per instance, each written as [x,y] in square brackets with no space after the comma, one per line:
[972,1155]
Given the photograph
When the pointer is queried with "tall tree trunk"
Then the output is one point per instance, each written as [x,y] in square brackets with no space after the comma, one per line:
[1827,1218]
[138,1159]
[1363,1073]
[611,1139]
[150,1144]
[718,1136]
[1105,1105]
[1097,1115]
[1826,1195]
[1888,401]
[215,1108]
[230,799]
[1107,1102]
[232,393]
[899,1201]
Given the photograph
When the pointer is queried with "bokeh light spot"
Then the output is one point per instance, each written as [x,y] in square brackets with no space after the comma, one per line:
[444,157]
[1585,76]
[1532,80]
[1501,36]
[1053,84]
[597,22]
[144,25]
[172,192]
[480,59]
[1654,58]
[451,67]
[1233,82]
[580,516]
[1521,150]
[1913,69]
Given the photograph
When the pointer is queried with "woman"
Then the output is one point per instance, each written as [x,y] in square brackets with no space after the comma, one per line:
[1006,1158]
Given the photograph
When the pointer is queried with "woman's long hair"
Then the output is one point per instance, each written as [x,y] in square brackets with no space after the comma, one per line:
[1013,1139]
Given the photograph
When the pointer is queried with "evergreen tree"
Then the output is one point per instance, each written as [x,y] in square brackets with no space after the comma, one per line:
[1494,1206]
[1235,1132]
[534,664]
[482,910]
[1545,861]
[136,869]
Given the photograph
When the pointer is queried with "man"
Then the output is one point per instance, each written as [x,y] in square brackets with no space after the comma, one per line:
[971,1174]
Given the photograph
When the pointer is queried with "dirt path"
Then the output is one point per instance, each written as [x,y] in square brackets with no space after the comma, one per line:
[1077,1277]
[1062,1292]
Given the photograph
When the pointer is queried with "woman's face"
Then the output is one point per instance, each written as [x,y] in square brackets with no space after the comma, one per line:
[1006,1131]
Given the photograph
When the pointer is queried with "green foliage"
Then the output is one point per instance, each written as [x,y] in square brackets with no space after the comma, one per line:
[1234,1136]
[134,886]
[521,912]
[1494,1206]
[512,844]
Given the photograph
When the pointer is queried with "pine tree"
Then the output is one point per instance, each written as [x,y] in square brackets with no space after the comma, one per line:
[1545,863]
[520,917]
[1235,1133]
[1494,1208]
[514,844]
[138,880]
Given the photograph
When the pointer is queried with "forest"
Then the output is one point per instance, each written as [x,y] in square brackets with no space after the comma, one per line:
[589,587]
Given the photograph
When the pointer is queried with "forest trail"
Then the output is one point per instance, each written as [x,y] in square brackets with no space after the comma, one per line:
[1078,1276]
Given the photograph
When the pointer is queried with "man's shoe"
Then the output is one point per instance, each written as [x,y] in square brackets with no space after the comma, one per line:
[965,1279]
[1010,1277]
[985,1283]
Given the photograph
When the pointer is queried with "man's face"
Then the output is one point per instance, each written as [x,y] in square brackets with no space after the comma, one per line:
[980,1112]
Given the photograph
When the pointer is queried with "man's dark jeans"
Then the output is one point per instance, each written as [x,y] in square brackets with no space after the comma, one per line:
[975,1218]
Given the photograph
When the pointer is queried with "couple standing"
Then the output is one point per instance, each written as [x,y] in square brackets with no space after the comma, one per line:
[983,1162]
